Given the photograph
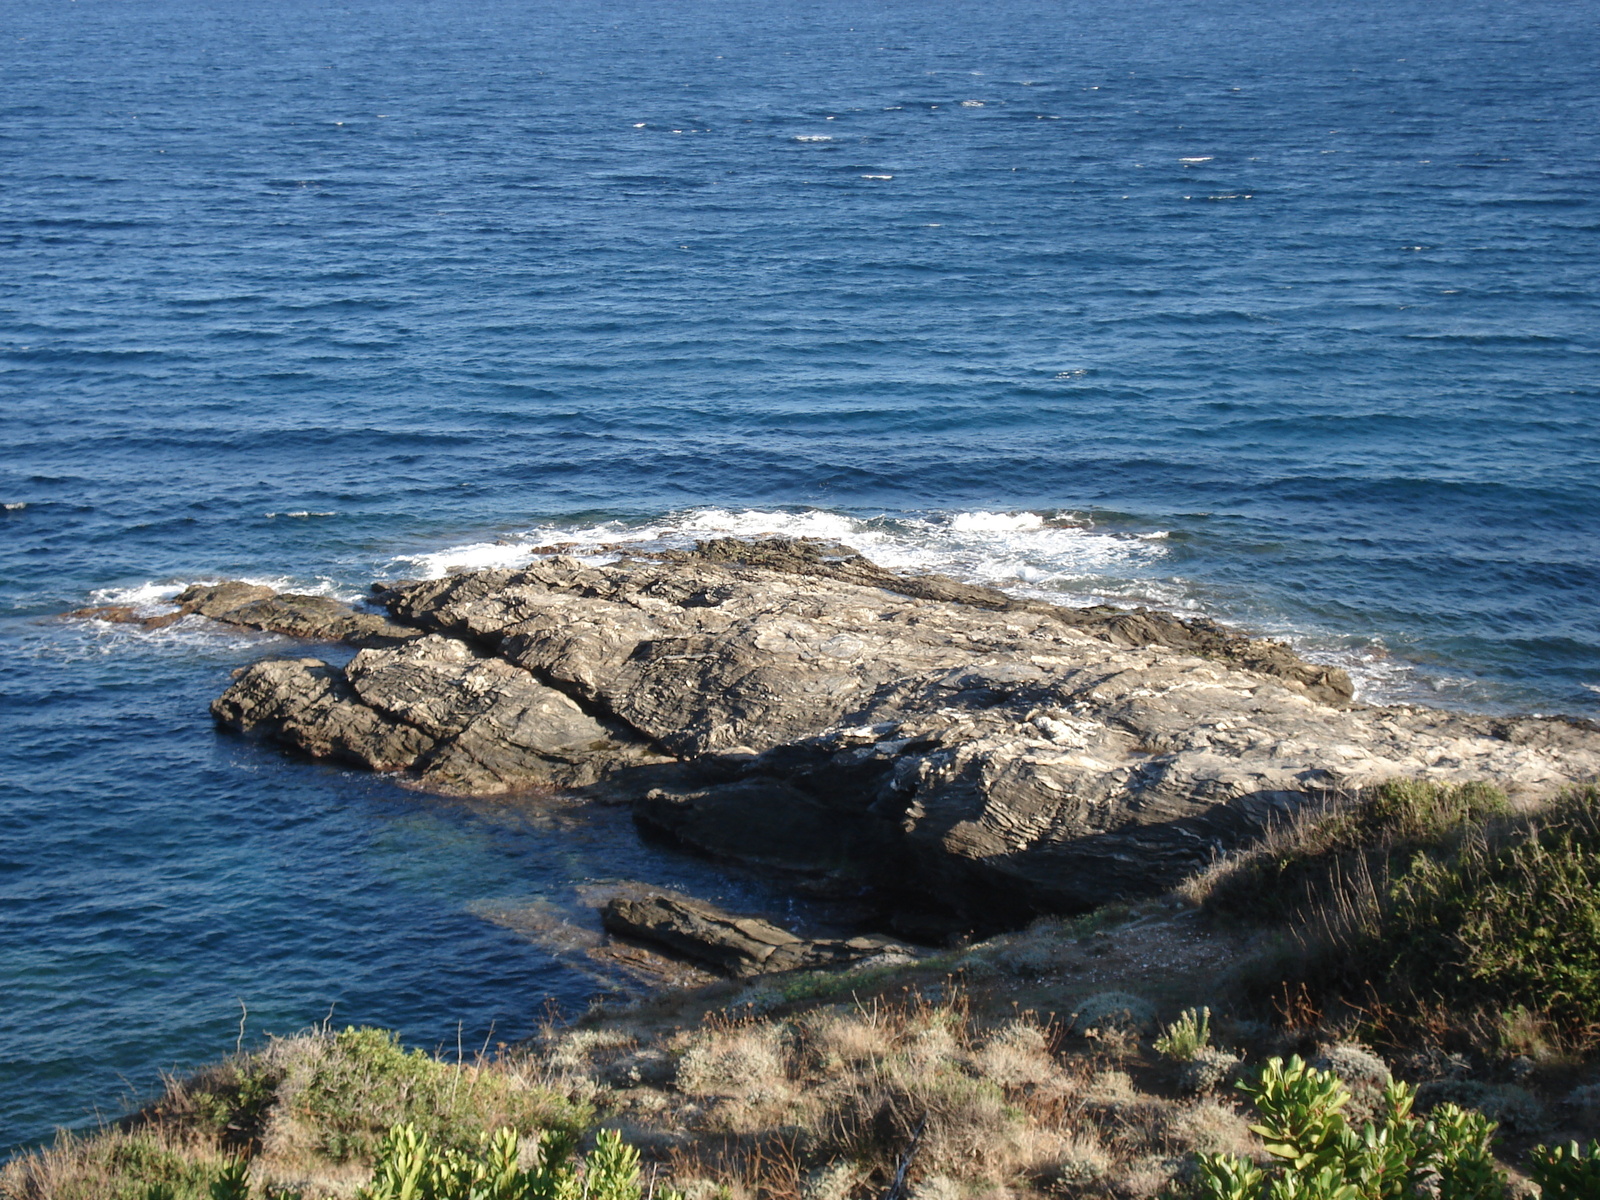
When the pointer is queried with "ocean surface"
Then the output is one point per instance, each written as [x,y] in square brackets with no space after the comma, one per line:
[1283,312]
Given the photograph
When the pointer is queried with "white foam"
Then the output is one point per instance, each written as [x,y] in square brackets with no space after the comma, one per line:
[1065,560]
[877,177]
[992,522]
[972,104]
[155,596]
[138,596]
[301,513]
[475,556]
[1201,159]
[92,640]
[15,507]
[813,137]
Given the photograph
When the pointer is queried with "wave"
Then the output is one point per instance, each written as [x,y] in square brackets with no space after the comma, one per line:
[153,597]
[1062,557]
[1047,553]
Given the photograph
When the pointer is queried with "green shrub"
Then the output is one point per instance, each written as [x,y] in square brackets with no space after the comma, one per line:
[1570,1172]
[1447,904]
[411,1166]
[1515,921]
[1186,1036]
[1303,863]
[1320,1157]
[365,1083]
[138,1163]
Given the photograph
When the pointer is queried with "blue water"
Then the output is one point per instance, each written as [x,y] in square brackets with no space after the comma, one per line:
[1289,308]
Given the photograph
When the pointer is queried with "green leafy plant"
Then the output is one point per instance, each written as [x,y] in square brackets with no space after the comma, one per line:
[1320,1157]
[232,1182]
[365,1082]
[1299,1105]
[1226,1177]
[1186,1036]
[411,1166]
[1570,1172]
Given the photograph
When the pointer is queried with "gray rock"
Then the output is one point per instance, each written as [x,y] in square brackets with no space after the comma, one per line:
[1136,627]
[215,600]
[1106,1012]
[738,946]
[311,705]
[256,606]
[991,757]
[466,724]
[315,617]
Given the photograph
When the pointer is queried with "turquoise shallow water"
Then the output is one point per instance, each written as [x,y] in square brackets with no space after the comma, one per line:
[1289,309]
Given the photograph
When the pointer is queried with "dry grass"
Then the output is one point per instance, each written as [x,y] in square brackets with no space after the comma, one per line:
[849,1086]
[307,1110]
[824,1090]
[835,1102]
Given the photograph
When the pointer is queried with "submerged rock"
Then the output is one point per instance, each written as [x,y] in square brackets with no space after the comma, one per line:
[949,746]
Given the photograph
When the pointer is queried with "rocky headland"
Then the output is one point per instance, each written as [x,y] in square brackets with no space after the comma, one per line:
[968,758]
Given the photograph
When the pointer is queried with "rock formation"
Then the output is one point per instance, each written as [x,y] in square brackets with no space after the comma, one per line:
[793,706]
[738,946]
[256,606]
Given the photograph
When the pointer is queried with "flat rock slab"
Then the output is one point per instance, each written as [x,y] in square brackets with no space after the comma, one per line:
[256,606]
[461,722]
[738,946]
[976,754]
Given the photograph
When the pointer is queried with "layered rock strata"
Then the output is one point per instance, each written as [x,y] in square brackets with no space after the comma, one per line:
[971,753]
[256,606]
[737,946]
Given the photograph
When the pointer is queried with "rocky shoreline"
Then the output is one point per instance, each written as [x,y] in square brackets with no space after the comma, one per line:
[966,758]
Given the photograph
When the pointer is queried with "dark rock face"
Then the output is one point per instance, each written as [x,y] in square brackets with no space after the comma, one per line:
[739,946]
[953,746]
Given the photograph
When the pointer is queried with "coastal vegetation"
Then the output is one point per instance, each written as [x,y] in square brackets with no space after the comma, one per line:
[1430,907]
[1416,1008]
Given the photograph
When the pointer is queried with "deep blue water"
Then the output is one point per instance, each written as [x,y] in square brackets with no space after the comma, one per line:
[1293,305]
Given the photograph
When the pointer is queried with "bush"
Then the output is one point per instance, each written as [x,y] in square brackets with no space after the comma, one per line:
[364,1083]
[1320,1157]
[1570,1172]
[1447,904]
[1512,920]
[1186,1036]
[411,1166]
[1303,862]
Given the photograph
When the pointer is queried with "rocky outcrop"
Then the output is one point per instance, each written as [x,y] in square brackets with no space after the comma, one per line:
[1120,626]
[946,745]
[738,946]
[464,722]
[256,606]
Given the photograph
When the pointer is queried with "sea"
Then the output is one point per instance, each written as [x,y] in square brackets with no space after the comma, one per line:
[1281,312]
